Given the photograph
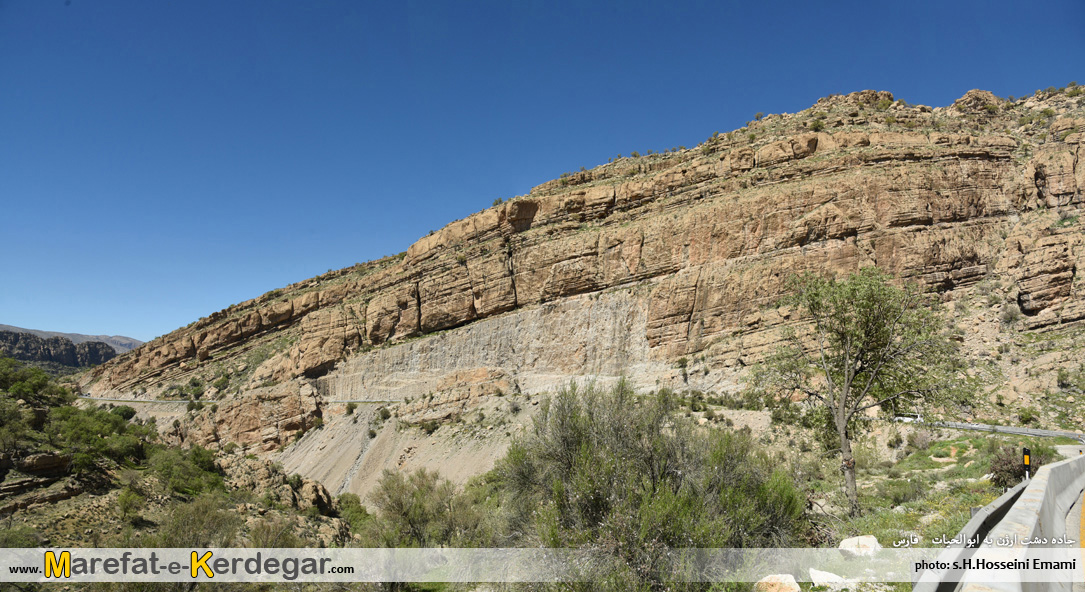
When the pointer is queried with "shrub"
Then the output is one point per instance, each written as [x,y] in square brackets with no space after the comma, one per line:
[19,536]
[188,472]
[817,125]
[384,413]
[611,470]
[352,511]
[1007,466]
[202,523]
[422,509]
[372,434]
[128,503]
[901,491]
[1027,415]
[93,435]
[124,412]
[919,439]
[274,533]
[1011,313]
[351,407]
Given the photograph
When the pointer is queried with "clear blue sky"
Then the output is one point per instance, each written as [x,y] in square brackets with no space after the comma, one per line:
[160,161]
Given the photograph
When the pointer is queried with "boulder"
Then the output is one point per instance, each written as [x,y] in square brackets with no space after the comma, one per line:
[860,546]
[777,583]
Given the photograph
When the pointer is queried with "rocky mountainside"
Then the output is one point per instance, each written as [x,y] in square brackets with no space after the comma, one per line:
[660,268]
[57,350]
[119,343]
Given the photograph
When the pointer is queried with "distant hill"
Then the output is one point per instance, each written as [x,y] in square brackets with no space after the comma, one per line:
[56,355]
[118,342]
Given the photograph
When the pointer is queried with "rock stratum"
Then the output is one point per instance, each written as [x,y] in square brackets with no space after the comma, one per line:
[118,342]
[658,267]
[57,350]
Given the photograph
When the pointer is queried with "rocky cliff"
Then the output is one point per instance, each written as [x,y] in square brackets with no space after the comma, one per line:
[58,350]
[119,343]
[660,267]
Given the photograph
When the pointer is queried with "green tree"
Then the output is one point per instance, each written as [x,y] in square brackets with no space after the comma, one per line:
[129,502]
[867,344]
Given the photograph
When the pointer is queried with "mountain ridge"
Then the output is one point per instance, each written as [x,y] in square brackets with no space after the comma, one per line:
[660,268]
[119,343]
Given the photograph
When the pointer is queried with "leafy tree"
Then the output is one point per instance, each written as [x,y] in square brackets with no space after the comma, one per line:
[867,344]
[13,425]
[129,502]
[90,435]
[31,384]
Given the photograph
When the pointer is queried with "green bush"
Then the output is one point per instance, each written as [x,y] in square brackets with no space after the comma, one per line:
[901,491]
[31,384]
[611,470]
[129,503]
[188,472]
[351,407]
[125,412]
[19,536]
[14,427]
[1007,463]
[420,510]
[817,125]
[91,435]
[202,523]
[1027,415]
[353,512]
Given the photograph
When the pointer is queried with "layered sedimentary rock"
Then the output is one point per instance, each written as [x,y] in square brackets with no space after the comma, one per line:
[632,266]
[58,350]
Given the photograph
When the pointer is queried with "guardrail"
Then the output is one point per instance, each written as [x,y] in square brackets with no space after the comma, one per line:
[1033,509]
[1040,512]
[978,528]
[1005,429]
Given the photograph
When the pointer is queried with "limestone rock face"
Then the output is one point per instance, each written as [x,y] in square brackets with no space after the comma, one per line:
[59,350]
[261,476]
[264,419]
[626,268]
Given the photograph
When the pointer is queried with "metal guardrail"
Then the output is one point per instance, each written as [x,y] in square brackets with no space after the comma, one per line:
[990,518]
[977,529]
[1035,508]
[1040,511]
[982,427]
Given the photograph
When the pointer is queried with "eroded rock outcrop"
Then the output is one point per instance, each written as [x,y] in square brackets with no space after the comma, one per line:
[629,266]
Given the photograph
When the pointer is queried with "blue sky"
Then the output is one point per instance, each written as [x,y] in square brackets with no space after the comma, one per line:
[160,161]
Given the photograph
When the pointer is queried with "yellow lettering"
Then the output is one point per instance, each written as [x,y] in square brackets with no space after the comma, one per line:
[55,568]
[197,564]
